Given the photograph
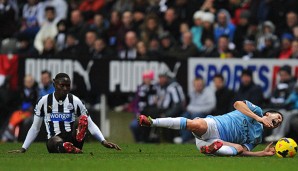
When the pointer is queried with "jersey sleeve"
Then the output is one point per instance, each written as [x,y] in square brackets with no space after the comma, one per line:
[255,109]
[249,146]
[81,108]
[39,107]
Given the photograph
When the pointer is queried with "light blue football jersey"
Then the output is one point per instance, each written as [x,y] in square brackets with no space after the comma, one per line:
[236,127]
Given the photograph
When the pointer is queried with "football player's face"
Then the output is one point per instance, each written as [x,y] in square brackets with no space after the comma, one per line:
[275,118]
[62,86]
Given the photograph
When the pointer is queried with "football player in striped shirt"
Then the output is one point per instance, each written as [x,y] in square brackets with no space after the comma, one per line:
[66,120]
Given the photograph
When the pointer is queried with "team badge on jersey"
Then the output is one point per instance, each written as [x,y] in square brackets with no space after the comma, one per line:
[70,106]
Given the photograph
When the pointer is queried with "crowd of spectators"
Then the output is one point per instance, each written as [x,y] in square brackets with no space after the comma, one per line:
[158,29]
[149,29]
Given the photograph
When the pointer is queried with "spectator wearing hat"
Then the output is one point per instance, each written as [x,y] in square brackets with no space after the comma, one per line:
[286,46]
[224,25]
[248,90]
[145,102]
[197,29]
[267,29]
[208,30]
[283,88]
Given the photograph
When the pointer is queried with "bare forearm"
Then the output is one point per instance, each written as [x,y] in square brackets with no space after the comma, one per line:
[254,154]
[243,108]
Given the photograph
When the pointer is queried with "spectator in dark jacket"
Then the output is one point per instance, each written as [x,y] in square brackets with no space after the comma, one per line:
[283,88]
[248,89]
[223,95]
[186,49]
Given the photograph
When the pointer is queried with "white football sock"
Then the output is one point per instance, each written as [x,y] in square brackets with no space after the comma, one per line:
[226,151]
[171,123]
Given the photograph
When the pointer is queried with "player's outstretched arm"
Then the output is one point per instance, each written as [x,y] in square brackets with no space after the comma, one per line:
[268,151]
[22,150]
[243,108]
[95,131]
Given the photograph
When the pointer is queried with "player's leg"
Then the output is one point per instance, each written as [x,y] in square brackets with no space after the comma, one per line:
[210,143]
[57,145]
[198,126]
[218,147]
[135,129]
[80,128]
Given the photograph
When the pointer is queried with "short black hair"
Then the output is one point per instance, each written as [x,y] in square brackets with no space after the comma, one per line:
[275,111]
[286,68]
[218,75]
[247,72]
[46,72]
[61,75]
[50,8]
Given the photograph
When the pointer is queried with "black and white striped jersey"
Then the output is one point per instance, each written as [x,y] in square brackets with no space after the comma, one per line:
[169,95]
[59,116]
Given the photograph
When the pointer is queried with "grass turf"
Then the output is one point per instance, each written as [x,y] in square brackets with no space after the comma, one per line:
[135,157]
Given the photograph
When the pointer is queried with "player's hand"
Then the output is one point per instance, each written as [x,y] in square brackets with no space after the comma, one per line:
[269,150]
[22,150]
[266,121]
[110,145]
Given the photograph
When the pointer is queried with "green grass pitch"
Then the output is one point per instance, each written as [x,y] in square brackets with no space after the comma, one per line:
[138,157]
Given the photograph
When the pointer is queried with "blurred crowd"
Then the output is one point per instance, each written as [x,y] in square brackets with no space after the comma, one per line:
[153,30]
[149,29]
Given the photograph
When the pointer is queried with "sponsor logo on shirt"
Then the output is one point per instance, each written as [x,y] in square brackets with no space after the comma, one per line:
[64,117]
